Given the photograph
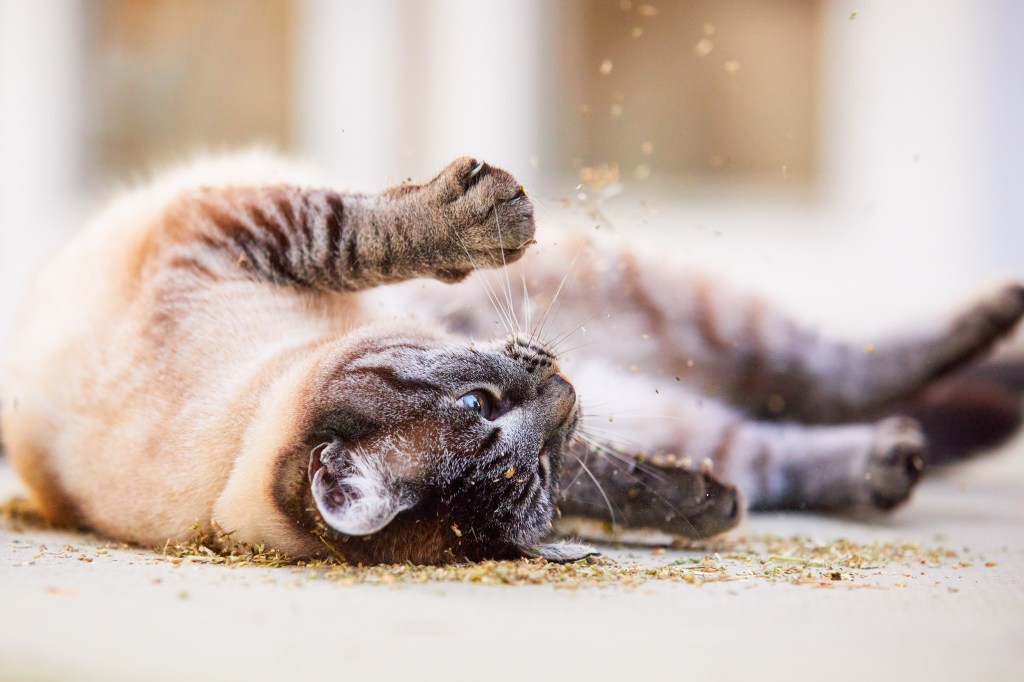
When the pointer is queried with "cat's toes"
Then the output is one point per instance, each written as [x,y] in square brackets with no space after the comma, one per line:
[687,502]
[896,462]
[487,211]
[720,510]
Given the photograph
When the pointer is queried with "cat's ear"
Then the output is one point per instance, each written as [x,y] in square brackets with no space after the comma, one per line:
[561,552]
[354,490]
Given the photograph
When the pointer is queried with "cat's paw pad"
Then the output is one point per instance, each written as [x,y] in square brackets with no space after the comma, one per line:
[486,211]
[896,462]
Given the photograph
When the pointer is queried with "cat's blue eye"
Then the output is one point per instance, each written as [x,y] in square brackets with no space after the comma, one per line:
[478,401]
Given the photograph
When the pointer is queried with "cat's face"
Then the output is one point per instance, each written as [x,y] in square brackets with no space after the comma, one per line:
[431,451]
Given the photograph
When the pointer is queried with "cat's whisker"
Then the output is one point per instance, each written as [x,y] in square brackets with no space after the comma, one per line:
[504,268]
[536,202]
[627,465]
[637,414]
[600,488]
[579,472]
[539,333]
[526,294]
[564,336]
[616,459]
[608,448]
[588,403]
[582,345]
[488,290]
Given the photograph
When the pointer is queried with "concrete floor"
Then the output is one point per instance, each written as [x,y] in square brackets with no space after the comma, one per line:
[129,614]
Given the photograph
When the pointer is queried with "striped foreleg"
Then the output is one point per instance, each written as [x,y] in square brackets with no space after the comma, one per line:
[471,215]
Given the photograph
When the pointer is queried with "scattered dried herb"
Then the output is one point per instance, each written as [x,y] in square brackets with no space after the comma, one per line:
[758,558]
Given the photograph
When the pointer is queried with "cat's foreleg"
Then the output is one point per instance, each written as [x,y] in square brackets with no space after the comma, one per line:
[651,444]
[471,215]
[774,466]
[621,489]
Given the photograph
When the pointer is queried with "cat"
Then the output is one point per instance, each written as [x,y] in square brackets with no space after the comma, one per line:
[220,347]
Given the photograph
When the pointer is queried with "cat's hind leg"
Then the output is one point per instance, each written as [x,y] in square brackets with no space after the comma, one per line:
[855,466]
[738,347]
[747,352]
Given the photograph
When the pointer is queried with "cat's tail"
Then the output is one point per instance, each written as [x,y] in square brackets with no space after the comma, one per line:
[972,411]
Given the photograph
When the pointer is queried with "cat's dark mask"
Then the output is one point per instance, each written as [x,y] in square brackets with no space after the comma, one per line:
[432,451]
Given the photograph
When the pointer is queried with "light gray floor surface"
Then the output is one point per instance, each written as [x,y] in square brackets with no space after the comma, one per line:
[129,615]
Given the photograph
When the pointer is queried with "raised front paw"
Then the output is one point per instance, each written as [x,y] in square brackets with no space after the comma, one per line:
[896,462]
[484,212]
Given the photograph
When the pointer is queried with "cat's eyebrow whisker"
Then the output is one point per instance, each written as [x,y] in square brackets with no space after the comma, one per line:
[504,268]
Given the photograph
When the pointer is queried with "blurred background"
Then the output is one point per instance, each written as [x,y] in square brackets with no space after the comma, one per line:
[860,160]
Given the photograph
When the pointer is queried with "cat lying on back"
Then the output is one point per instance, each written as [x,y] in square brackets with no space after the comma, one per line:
[204,352]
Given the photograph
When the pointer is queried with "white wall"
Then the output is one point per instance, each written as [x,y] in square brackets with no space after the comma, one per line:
[392,89]
[923,152]
[40,137]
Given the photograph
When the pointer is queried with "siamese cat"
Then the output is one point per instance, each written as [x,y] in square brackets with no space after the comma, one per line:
[231,345]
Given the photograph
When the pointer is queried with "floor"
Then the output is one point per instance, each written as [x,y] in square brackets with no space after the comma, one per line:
[74,607]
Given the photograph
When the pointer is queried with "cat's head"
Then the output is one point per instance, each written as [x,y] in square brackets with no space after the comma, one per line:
[430,450]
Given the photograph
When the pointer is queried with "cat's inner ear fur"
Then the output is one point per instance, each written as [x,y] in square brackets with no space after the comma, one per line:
[355,490]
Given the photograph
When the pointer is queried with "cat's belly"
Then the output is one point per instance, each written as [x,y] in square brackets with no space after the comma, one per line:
[130,427]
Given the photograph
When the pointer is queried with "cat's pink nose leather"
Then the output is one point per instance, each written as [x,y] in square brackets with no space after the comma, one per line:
[564,378]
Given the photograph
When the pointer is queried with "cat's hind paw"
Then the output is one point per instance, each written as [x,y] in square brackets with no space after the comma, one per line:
[896,462]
